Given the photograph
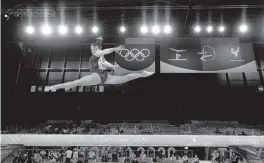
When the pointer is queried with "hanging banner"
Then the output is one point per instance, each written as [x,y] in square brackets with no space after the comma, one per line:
[138,56]
[207,55]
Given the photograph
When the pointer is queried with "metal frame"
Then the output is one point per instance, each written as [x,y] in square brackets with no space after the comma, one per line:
[51,11]
[30,12]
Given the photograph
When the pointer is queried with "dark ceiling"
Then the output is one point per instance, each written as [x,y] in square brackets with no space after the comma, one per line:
[118,3]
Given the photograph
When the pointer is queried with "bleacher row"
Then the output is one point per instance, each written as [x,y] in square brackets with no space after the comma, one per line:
[144,127]
[167,129]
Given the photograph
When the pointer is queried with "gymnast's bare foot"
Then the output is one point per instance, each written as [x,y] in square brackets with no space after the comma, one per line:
[146,73]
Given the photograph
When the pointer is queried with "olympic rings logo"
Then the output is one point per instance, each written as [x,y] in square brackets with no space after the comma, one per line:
[134,53]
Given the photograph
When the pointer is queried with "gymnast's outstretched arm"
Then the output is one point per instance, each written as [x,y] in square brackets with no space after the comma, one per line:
[100,53]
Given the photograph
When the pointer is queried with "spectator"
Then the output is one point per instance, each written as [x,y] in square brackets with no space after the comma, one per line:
[104,157]
[75,156]
[91,155]
[219,157]
[43,154]
[234,158]
[234,132]
[127,160]
[185,158]
[37,157]
[143,157]
[101,132]
[213,156]
[133,156]
[108,128]
[155,159]
[68,156]
[121,131]
[173,159]
[114,157]
[109,155]
[195,159]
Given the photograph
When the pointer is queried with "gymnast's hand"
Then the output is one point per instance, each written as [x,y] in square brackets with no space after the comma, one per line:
[121,47]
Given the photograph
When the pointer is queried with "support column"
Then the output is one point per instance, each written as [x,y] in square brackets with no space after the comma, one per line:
[47,71]
[80,67]
[64,66]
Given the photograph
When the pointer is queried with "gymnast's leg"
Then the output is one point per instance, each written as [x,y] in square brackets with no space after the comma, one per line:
[126,78]
[88,80]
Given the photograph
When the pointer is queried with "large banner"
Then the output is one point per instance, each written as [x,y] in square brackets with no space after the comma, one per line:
[207,55]
[138,56]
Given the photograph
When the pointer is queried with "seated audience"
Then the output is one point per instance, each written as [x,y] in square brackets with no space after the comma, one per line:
[195,159]
[114,157]
[91,155]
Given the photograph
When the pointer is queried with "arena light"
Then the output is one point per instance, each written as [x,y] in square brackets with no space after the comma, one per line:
[95,29]
[46,30]
[209,29]
[30,30]
[243,28]
[63,29]
[167,29]
[144,29]
[6,16]
[221,29]
[197,29]
[78,29]
[155,29]
[122,29]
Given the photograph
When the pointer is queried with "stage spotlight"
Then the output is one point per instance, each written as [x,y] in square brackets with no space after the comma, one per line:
[167,29]
[46,30]
[6,16]
[243,28]
[197,29]
[155,29]
[95,29]
[122,29]
[30,30]
[144,29]
[78,29]
[63,29]
[209,29]
[221,29]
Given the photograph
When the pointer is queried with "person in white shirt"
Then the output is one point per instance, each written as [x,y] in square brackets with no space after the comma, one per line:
[37,157]
[143,157]
[91,155]
[43,154]
[75,155]
[195,159]
[68,156]
[213,156]
[185,158]
[173,159]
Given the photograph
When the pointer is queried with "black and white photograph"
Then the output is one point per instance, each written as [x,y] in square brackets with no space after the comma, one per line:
[132,81]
